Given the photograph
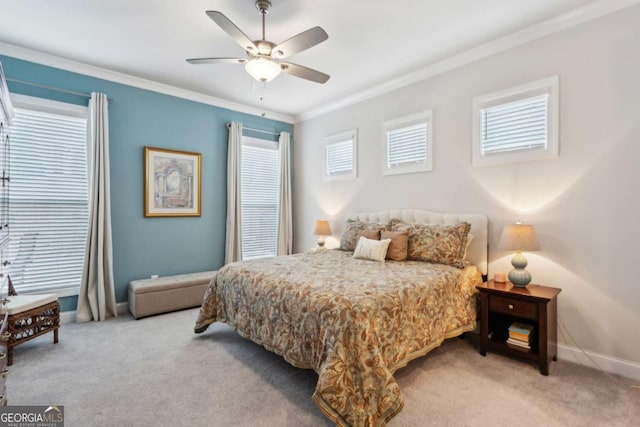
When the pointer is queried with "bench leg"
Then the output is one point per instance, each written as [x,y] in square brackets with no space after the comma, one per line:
[55,336]
[9,356]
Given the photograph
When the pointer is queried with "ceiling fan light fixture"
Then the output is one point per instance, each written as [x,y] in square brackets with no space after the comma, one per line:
[263,57]
[263,69]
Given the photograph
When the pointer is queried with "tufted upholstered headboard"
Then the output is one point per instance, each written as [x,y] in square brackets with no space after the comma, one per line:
[477,253]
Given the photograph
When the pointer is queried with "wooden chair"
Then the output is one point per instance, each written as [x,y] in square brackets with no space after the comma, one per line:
[30,316]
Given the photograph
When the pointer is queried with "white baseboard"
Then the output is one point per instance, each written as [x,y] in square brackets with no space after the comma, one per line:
[70,316]
[626,368]
[67,317]
[610,364]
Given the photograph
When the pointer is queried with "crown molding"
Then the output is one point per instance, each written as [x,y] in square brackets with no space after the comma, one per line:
[129,80]
[561,22]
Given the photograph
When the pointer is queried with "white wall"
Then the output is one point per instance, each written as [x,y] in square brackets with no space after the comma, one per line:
[585,204]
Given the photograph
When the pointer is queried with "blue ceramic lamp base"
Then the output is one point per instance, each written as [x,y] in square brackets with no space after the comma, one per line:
[519,277]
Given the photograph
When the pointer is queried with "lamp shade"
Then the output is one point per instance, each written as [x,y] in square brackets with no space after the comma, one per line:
[519,237]
[322,228]
[263,69]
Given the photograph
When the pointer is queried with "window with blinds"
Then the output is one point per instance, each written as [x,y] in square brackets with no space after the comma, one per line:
[260,193]
[518,124]
[340,155]
[340,158]
[49,206]
[408,144]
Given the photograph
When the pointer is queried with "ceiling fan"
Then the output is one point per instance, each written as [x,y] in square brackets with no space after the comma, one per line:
[263,60]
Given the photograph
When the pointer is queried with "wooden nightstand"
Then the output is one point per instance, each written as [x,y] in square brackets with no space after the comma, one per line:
[503,304]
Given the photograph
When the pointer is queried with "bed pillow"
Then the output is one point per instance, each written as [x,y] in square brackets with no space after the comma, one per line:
[398,247]
[371,235]
[442,244]
[374,250]
[466,246]
[352,232]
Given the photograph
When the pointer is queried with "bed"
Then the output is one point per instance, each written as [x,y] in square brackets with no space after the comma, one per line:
[354,322]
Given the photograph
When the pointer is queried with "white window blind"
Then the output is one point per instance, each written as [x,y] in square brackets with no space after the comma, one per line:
[49,206]
[260,190]
[340,156]
[407,145]
[519,125]
[516,124]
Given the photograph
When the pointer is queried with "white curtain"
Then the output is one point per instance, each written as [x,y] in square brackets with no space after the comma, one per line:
[285,224]
[233,247]
[97,299]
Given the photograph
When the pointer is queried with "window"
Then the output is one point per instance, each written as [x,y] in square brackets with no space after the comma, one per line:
[517,124]
[260,192]
[408,144]
[49,209]
[340,155]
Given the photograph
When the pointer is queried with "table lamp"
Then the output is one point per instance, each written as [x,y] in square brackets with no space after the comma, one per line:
[321,228]
[519,237]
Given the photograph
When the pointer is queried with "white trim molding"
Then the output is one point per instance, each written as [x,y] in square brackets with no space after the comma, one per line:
[49,106]
[600,361]
[561,22]
[129,80]
[70,316]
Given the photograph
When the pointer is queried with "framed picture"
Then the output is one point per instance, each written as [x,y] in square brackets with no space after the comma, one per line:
[171,182]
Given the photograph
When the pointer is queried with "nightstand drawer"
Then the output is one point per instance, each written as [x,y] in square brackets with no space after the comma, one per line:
[513,306]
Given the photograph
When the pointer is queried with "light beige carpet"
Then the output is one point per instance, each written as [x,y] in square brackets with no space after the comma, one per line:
[156,372]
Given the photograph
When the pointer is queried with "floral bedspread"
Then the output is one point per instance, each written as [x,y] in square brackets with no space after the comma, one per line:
[353,321]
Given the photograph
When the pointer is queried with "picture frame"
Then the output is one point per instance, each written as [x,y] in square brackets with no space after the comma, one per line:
[172,183]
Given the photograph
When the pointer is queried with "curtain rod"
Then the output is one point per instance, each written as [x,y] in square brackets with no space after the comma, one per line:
[56,89]
[256,130]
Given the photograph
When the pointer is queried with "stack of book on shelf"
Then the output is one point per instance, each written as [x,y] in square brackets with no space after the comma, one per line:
[520,336]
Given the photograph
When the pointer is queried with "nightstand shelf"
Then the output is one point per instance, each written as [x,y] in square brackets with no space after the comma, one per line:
[502,304]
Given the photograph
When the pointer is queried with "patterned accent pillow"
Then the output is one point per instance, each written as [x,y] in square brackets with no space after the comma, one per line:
[442,244]
[374,250]
[353,230]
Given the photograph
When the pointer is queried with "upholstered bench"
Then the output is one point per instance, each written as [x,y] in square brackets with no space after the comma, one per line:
[169,293]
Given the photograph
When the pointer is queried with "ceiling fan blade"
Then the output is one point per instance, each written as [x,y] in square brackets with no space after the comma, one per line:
[300,42]
[304,72]
[231,29]
[197,61]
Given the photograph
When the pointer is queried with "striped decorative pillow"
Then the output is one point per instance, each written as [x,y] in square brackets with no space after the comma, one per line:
[374,250]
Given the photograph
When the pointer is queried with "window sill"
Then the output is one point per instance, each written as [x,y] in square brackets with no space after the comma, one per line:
[401,170]
[342,177]
[61,292]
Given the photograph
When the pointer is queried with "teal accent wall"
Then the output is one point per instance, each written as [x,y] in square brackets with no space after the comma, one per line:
[138,118]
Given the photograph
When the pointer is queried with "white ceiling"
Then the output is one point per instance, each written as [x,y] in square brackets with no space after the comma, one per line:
[370,42]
